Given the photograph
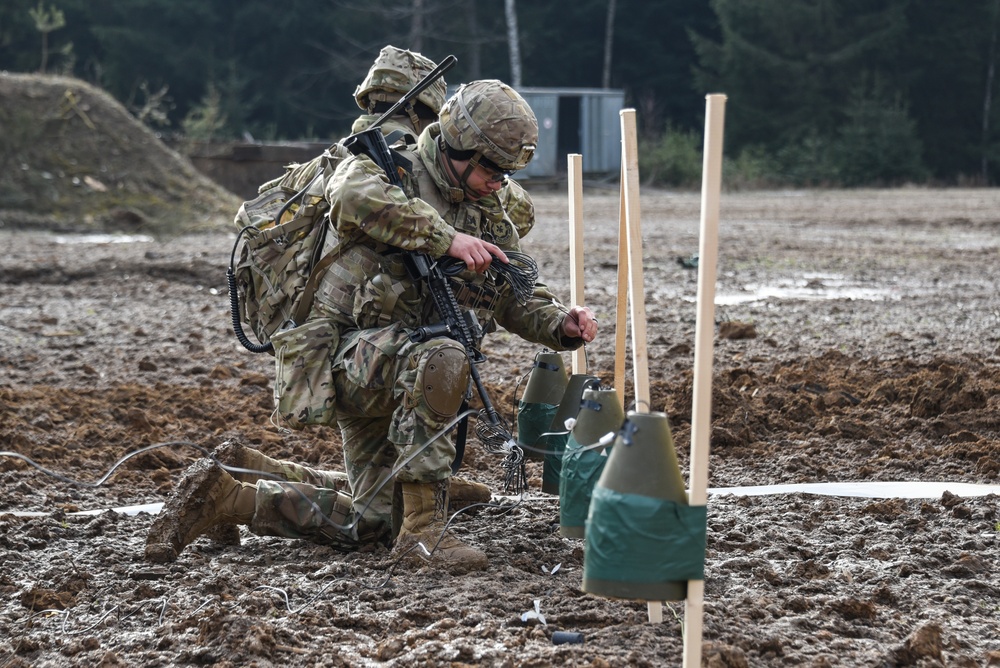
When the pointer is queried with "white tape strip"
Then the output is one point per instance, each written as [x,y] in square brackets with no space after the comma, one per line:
[871,490]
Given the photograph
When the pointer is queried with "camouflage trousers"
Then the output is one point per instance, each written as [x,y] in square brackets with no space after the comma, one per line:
[387,424]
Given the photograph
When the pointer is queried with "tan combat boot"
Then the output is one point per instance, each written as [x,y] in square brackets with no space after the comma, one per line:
[257,465]
[204,497]
[423,532]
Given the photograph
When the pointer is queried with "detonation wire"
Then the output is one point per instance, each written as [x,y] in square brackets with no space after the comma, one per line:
[569,428]
[586,363]
[391,475]
[346,529]
[520,272]
[514,400]
[163,603]
[513,418]
[504,508]
[65,615]
[114,467]
[235,469]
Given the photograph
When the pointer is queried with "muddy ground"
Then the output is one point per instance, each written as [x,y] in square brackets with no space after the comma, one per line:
[874,356]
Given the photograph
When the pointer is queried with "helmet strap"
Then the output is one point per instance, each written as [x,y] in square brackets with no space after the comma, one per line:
[418,123]
[462,180]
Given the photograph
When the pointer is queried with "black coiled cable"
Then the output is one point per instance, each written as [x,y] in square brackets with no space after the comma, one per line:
[234,304]
[520,272]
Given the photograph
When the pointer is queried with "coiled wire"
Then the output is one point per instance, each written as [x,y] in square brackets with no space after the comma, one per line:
[520,272]
[497,439]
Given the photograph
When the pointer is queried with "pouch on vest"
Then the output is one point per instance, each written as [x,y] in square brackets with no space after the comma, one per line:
[304,392]
[389,296]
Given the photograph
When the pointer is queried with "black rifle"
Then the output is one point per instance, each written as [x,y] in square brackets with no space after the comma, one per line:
[463,327]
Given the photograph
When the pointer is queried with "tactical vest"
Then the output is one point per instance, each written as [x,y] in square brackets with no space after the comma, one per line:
[368,287]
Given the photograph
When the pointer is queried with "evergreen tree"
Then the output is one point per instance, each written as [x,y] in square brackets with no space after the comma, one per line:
[878,143]
[788,66]
[949,52]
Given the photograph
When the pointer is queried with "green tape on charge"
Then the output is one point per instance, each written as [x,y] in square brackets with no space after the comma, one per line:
[552,471]
[632,538]
[581,469]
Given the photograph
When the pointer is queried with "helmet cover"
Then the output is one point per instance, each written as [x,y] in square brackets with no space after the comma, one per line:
[491,118]
[394,72]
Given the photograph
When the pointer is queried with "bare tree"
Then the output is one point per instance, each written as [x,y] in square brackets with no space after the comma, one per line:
[513,44]
[609,35]
[988,95]
[417,26]
[475,46]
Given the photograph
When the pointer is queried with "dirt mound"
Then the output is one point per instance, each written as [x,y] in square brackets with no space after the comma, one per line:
[73,158]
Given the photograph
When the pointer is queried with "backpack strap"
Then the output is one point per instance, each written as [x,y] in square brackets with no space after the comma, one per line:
[331,157]
[320,268]
[396,135]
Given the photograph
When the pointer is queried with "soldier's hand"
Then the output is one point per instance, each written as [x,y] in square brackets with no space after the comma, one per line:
[474,252]
[580,323]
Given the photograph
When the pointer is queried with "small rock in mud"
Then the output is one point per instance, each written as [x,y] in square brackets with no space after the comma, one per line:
[923,643]
[736,329]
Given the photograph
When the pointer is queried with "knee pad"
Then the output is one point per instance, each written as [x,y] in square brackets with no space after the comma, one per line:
[443,378]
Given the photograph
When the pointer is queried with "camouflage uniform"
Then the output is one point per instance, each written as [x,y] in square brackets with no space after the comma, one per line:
[385,415]
[391,396]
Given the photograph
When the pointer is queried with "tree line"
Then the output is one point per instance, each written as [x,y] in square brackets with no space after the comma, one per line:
[820,92]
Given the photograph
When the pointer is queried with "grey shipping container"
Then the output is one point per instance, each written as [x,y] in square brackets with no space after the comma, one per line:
[576,120]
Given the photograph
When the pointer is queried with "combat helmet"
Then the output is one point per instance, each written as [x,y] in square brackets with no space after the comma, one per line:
[394,72]
[492,121]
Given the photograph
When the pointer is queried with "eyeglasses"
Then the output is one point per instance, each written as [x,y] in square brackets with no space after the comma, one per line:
[493,173]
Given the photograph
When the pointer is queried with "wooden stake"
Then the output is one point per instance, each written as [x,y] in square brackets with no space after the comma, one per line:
[621,314]
[636,289]
[701,419]
[574,168]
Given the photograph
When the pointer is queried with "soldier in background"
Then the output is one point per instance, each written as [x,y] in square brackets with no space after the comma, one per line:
[394,72]
[395,396]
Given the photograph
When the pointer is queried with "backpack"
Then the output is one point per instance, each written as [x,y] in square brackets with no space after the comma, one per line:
[276,262]
[275,267]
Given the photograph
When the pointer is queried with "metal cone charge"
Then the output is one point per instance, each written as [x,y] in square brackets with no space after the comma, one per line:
[635,537]
[600,414]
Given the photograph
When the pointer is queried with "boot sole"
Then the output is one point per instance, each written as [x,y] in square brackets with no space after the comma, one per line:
[164,540]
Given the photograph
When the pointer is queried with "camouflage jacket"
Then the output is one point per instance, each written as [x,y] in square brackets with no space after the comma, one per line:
[372,221]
